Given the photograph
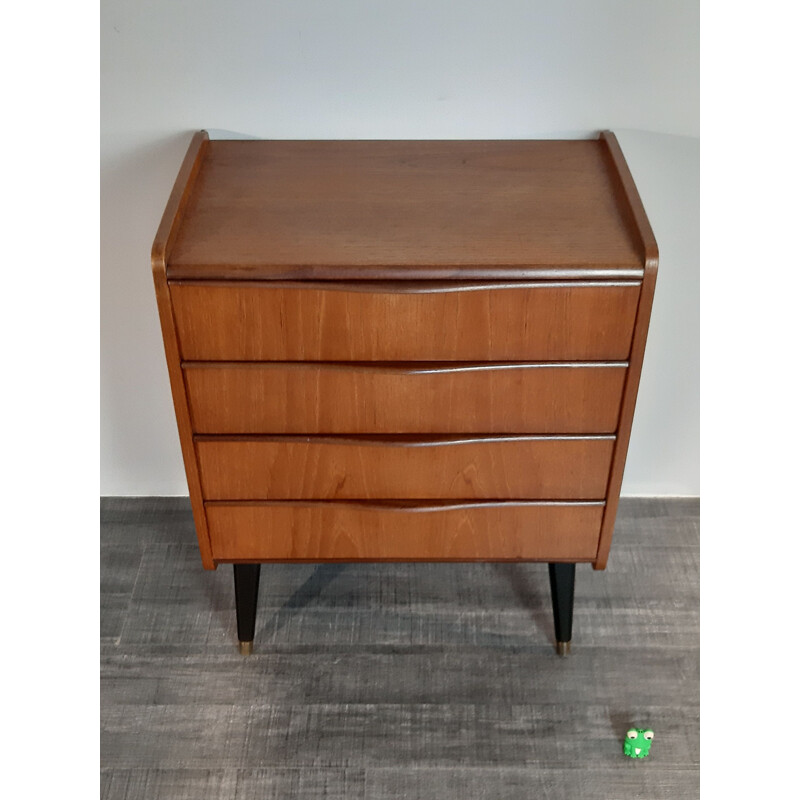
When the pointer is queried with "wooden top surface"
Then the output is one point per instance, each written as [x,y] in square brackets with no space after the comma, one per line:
[404,209]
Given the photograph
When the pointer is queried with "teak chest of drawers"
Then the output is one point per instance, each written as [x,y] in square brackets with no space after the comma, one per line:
[398,351]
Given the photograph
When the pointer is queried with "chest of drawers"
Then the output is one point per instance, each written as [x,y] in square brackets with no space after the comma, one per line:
[398,351]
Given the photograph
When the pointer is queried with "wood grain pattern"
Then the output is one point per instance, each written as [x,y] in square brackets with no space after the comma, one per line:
[165,237]
[404,321]
[350,531]
[285,468]
[625,187]
[335,398]
[381,247]
[383,209]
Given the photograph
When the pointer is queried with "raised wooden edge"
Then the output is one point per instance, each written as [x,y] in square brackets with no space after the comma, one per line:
[632,203]
[398,439]
[379,272]
[407,506]
[161,246]
[404,287]
[178,199]
[404,367]
[649,250]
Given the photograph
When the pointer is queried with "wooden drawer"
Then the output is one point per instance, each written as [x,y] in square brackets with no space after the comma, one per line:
[351,531]
[344,398]
[286,468]
[404,321]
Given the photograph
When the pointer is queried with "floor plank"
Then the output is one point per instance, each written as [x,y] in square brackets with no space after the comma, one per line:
[424,675]
[627,779]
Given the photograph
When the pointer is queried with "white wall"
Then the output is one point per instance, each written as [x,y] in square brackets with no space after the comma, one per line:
[357,69]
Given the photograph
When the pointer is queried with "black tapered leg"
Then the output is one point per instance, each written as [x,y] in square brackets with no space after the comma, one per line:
[562,589]
[245,582]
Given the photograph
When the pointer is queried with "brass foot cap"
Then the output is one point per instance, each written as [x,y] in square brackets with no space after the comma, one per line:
[562,648]
[245,648]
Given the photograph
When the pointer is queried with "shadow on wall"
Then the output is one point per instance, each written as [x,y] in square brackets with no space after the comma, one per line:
[140,451]
[664,453]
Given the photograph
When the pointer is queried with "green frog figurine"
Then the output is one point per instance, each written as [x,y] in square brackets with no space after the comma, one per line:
[637,742]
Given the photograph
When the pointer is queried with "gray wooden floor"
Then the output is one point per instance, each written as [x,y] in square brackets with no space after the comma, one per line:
[397,680]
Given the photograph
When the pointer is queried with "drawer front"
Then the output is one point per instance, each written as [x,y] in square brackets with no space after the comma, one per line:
[405,321]
[285,468]
[373,532]
[335,398]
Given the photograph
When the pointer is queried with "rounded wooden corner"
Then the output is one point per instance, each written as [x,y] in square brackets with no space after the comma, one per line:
[651,263]
[158,264]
